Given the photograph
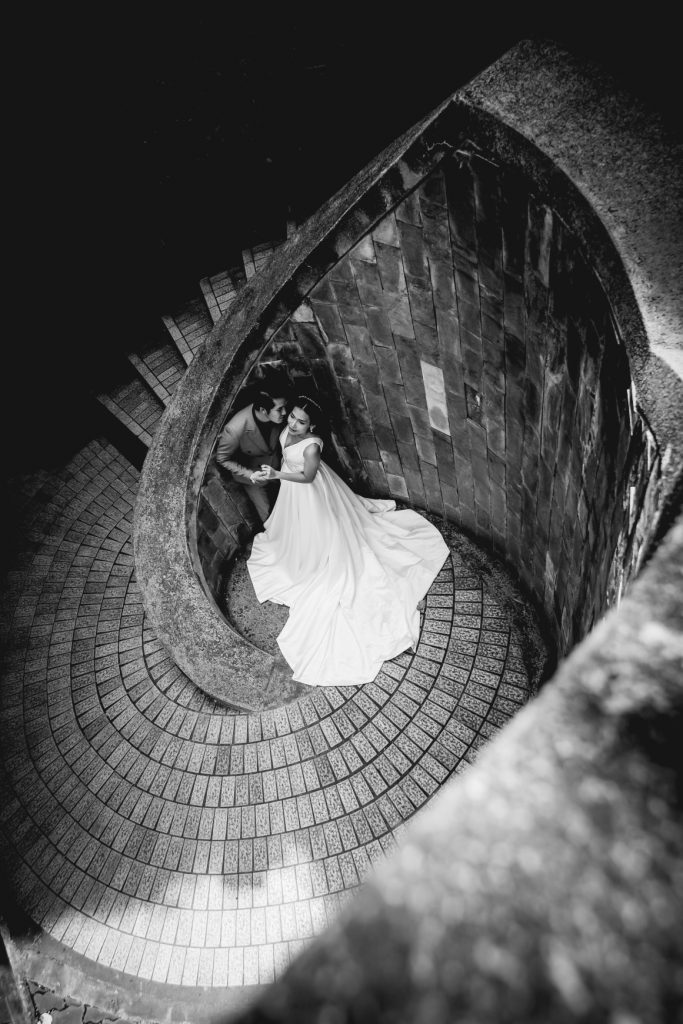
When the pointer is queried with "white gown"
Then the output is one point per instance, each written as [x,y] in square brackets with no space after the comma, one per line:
[351,569]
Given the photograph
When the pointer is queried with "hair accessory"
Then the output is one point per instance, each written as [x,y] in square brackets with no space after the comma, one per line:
[310,401]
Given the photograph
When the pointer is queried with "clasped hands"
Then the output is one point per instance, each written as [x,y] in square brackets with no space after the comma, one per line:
[262,475]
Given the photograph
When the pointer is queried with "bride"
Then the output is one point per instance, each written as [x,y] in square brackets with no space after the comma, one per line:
[352,570]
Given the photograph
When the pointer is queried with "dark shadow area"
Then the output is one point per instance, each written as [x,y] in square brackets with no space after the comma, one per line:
[148,153]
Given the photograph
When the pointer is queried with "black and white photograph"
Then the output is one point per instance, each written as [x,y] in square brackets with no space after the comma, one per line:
[341,665]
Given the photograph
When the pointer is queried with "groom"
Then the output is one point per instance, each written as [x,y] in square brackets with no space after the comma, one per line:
[249,439]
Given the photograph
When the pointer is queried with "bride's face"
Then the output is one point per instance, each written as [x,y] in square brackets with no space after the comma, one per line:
[298,421]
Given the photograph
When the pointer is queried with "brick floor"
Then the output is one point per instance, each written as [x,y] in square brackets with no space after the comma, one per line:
[158,833]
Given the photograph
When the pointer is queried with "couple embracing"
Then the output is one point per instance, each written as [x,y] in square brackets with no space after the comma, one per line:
[351,569]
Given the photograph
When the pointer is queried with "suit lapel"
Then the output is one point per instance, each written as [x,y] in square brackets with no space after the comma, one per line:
[255,435]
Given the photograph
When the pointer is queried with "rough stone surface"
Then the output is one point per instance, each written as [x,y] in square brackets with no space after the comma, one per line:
[68,1011]
[260,623]
[15,1005]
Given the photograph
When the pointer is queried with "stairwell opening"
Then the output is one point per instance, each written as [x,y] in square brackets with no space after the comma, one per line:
[477,371]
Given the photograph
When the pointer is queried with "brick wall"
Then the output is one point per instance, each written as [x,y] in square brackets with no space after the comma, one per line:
[474,370]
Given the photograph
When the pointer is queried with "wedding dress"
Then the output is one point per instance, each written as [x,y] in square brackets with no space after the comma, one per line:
[352,571]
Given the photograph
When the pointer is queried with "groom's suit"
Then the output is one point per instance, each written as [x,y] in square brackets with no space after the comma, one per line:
[243,448]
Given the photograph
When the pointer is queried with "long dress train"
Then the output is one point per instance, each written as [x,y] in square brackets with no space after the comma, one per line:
[351,569]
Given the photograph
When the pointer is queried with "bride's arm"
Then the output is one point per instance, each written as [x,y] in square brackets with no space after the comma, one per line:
[311,464]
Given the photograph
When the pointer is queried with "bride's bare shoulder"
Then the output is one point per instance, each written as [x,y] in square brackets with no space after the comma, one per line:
[312,442]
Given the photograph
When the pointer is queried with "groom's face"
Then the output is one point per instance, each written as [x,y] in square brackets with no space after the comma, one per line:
[279,411]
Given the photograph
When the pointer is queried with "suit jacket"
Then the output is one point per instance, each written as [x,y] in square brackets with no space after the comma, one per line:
[242,448]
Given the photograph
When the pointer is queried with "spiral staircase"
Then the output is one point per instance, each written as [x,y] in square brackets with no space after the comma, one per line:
[172,841]
[138,401]
[157,840]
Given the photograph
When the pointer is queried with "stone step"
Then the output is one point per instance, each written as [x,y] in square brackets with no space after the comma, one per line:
[220,289]
[255,259]
[189,328]
[133,402]
[160,365]
[138,401]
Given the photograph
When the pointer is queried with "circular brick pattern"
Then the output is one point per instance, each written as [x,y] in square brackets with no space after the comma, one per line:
[161,834]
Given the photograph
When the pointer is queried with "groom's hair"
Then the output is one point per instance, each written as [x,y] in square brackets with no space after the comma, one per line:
[267,390]
[264,400]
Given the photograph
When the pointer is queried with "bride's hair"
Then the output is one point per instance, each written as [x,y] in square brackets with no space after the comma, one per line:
[313,408]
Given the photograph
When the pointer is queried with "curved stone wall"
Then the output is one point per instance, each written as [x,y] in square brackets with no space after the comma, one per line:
[473,320]
[476,371]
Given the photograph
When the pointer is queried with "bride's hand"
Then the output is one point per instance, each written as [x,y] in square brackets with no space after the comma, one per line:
[267,472]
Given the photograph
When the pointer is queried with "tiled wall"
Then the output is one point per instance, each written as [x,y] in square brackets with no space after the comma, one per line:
[474,369]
